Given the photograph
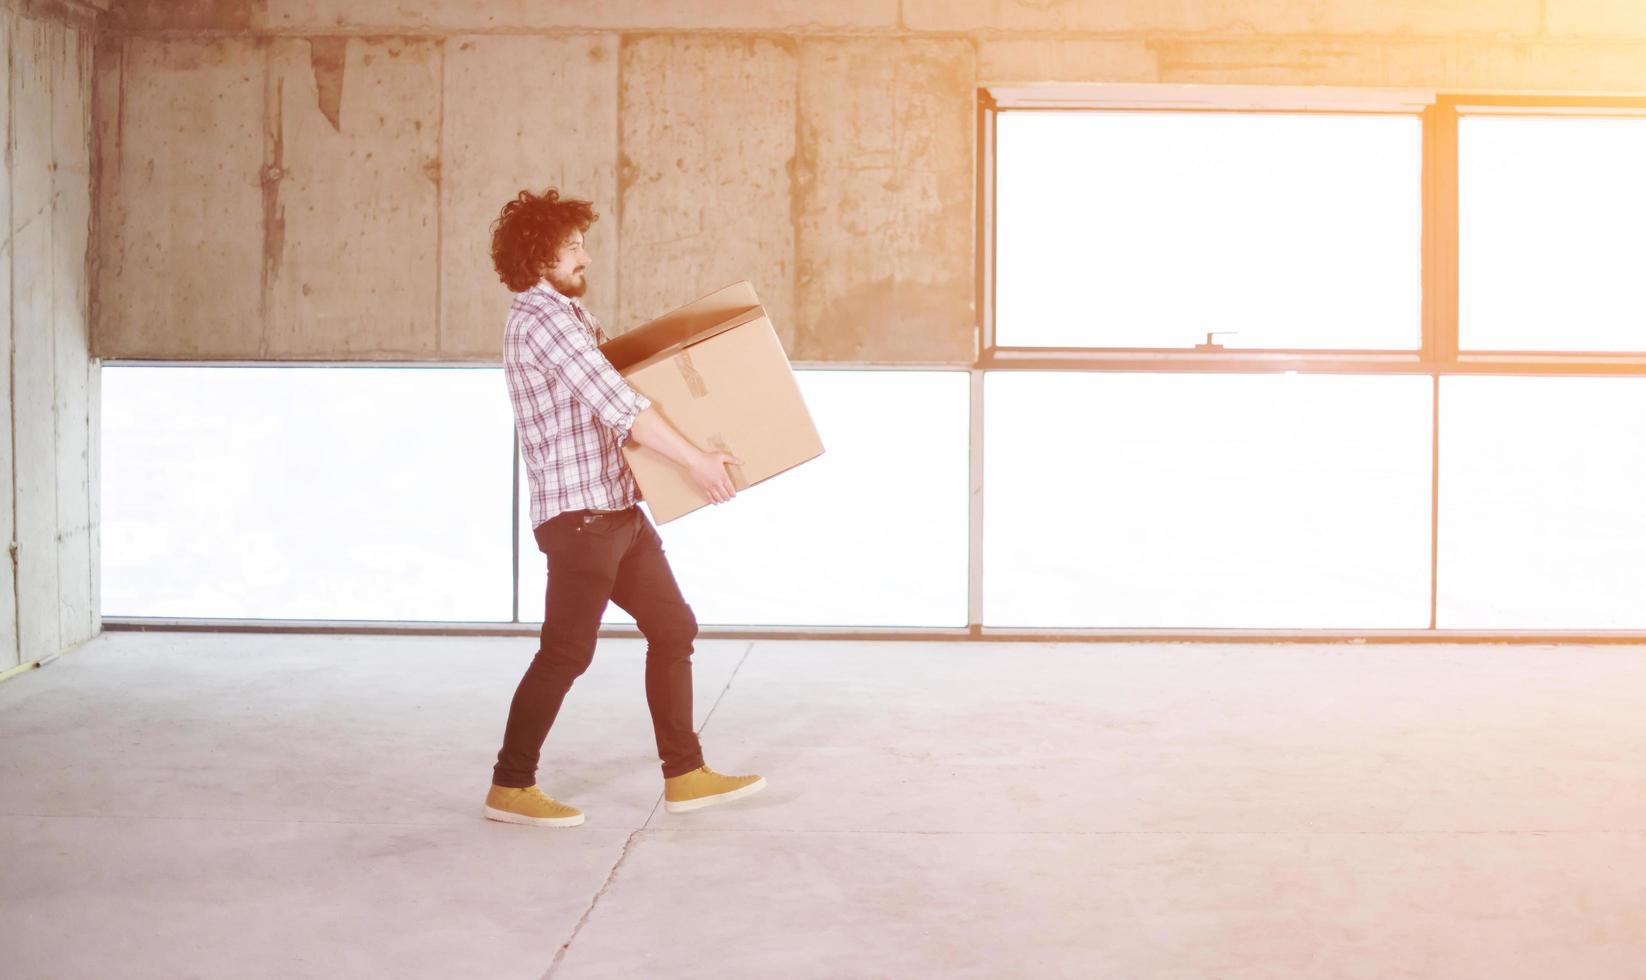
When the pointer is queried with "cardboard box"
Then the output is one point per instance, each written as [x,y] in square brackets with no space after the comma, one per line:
[716,371]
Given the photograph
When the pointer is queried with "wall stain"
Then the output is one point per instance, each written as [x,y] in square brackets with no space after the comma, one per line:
[328,58]
[274,213]
[233,15]
[889,319]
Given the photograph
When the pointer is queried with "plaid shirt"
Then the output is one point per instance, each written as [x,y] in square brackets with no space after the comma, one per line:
[572,410]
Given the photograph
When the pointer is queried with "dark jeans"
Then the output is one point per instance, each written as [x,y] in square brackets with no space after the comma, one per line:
[595,557]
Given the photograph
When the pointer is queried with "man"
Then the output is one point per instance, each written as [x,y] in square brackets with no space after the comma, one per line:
[573,412]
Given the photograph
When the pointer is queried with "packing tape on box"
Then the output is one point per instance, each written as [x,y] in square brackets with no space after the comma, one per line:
[694,381]
[717,442]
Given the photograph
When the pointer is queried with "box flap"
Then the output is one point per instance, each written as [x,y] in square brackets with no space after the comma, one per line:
[675,350]
[689,324]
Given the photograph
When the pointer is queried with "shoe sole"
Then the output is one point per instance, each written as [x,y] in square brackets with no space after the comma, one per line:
[492,813]
[685,806]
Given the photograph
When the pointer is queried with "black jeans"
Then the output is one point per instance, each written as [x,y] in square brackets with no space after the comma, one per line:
[595,557]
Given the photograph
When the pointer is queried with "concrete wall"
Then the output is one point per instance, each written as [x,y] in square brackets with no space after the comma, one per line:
[48,592]
[314,178]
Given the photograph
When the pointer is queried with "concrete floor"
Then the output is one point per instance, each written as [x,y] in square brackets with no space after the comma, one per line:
[198,805]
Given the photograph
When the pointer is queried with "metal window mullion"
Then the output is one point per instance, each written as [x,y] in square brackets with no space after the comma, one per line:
[1440,236]
[1440,298]
[917,634]
[1434,503]
[984,244]
[987,152]
[514,525]
[974,510]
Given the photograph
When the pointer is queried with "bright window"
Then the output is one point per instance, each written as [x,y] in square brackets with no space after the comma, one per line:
[1151,229]
[1241,501]
[1551,234]
[871,533]
[306,493]
[1541,485]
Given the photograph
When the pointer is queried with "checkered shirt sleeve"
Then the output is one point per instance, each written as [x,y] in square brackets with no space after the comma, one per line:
[572,410]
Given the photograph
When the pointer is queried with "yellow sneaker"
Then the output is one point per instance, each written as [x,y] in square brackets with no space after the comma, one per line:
[705,787]
[530,806]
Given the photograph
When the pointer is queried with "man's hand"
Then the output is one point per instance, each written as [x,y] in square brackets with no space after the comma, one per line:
[708,472]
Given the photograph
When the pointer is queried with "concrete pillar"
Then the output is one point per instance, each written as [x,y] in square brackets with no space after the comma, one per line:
[48,597]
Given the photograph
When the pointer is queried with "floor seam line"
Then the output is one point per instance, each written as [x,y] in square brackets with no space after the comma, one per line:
[722,696]
[611,876]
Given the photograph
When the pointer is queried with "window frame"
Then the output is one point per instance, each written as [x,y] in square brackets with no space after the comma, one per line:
[1438,353]
[1437,356]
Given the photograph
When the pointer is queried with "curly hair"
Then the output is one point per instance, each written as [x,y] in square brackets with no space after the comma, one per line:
[529,231]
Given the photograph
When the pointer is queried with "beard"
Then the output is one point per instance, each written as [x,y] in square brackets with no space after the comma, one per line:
[572,286]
